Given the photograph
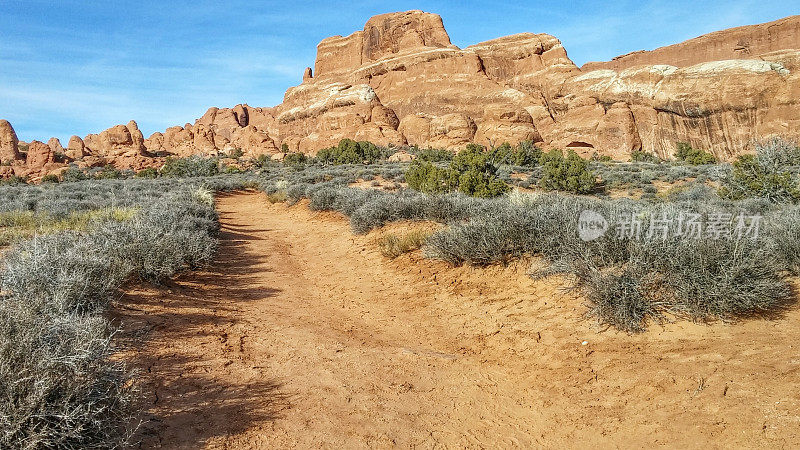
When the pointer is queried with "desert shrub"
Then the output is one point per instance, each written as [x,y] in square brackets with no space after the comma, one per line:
[296,159]
[429,178]
[768,174]
[13,179]
[642,156]
[295,192]
[193,166]
[263,160]
[686,153]
[107,173]
[627,281]
[720,279]
[393,245]
[691,192]
[470,172]
[649,189]
[434,155]
[160,244]
[526,153]
[477,176]
[392,173]
[368,209]
[620,300]
[50,178]
[351,152]
[568,174]
[783,228]
[751,179]
[231,169]
[476,242]
[777,153]
[73,174]
[236,153]
[601,158]
[59,386]
[149,172]
[235,182]
[276,192]
[61,273]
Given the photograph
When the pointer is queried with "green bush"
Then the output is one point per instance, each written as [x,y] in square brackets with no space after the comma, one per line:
[14,179]
[50,178]
[193,166]
[470,172]
[768,174]
[524,154]
[642,156]
[601,158]
[236,153]
[351,152]
[108,173]
[295,159]
[693,156]
[425,177]
[74,174]
[263,161]
[570,174]
[434,155]
[149,172]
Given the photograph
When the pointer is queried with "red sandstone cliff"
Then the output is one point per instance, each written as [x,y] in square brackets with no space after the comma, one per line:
[400,81]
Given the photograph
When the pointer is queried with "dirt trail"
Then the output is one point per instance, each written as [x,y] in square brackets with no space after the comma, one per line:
[303,335]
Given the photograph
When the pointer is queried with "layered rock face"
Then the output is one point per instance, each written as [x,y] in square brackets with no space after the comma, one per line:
[400,81]
[748,42]
[721,106]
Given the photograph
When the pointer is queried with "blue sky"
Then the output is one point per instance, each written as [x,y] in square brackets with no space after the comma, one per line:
[75,67]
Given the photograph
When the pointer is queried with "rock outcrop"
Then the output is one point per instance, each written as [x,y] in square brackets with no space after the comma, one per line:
[55,145]
[525,87]
[400,81]
[748,42]
[219,130]
[39,156]
[117,141]
[9,144]
[76,149]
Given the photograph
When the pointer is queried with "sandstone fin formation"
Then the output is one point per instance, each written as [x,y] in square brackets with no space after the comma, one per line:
[400,81]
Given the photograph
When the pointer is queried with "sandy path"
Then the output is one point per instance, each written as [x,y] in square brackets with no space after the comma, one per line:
[303,335]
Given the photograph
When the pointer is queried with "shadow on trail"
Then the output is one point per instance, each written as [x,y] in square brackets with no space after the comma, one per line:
[188,396]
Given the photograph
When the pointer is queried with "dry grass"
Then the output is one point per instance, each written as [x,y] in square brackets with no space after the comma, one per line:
[393,245]
[278,197]
[16,225]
